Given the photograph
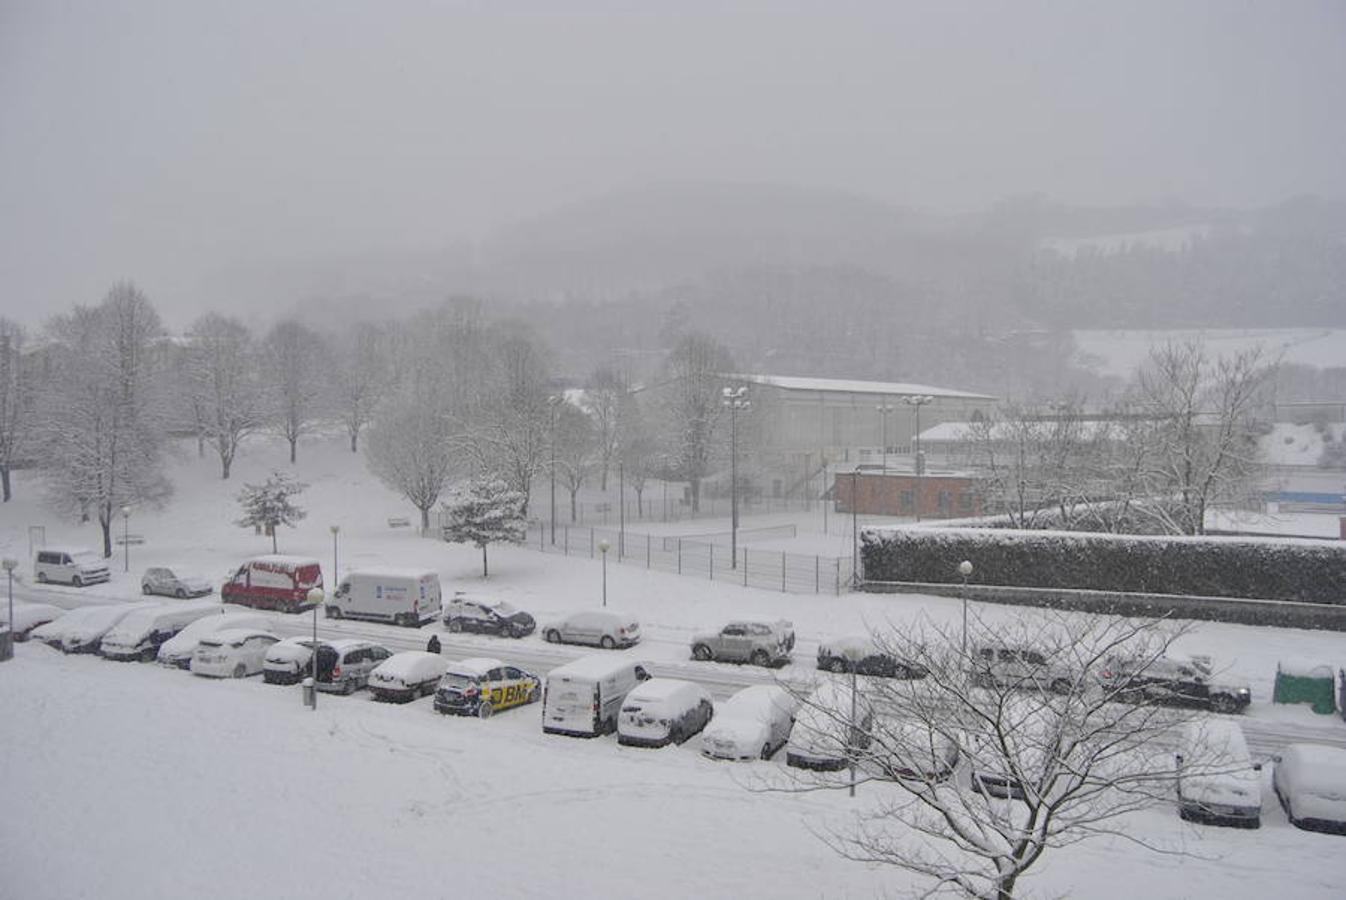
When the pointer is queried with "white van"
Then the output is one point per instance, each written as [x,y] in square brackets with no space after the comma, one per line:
[583,698]
[402,596]
[1218,783]
[70,565]
[140,634]
[663,711]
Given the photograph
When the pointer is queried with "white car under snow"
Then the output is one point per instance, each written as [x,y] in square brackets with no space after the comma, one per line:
[177,650]
[232,653]
[752,724]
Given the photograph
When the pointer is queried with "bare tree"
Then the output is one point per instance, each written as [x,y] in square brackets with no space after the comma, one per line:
[16,402]
[411,449]
[293,356]
[577,449]
[694,375]
[508,432]
[226,388]
[360,377]
[104,437]
[997,758]
[605,399]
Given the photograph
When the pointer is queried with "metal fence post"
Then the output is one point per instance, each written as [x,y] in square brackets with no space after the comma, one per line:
[745,566]
[679,556]
[817,574]
[566,530]
[591,543]
[782,573]
[647,551]
[712,562]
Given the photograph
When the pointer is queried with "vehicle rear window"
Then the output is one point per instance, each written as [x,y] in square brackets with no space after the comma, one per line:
[454,680]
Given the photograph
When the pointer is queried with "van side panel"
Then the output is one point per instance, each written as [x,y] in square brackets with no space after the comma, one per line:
[271,586]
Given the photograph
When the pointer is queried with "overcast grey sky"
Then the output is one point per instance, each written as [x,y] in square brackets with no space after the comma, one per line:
[169,141]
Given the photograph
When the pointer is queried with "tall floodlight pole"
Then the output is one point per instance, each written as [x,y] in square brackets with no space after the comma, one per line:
[315,596]
[8,647]
[336,577]
[621,509]
[126,538]
[855,527]
[917,402]
[735,399]
[603,547]
[884,409]
[552,402]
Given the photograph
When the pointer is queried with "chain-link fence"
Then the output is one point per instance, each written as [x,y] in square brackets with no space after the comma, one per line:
[706,556]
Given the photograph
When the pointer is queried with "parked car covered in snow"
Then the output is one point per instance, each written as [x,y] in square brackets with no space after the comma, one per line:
[760,642]
[81,630]
[487,617]
[143,632]
[825,735]
[28,616]
[344,666]
[1176,681]
[597,628]
[1310,782]
[913,751]
[232,653]
[482,686]
[663,711]
[407,675]
[863,653]
[177,651]
[288,661]
[1217,781]
[752,724]
[77,566]
[1025,668]
[173,583]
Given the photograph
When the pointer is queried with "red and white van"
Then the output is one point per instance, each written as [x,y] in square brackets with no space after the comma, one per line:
[274,582]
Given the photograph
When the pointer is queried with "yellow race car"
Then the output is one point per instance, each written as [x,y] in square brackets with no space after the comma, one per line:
[481,686]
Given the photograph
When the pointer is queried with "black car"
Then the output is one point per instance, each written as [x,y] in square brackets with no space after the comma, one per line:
[867,658]
[1173,681]
[496,617]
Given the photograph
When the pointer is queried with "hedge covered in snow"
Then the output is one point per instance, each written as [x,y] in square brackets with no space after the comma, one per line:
[1309,571]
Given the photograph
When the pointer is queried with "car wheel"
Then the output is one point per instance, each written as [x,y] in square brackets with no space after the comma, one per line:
[532,695]
[1060,686]
[148,654]
[1223,703]
[145,589]
[331,612]
[702,652]
[766,751]
[348,687]
[485,710]
[759,658]
[77,581]
[240,670]
[454,625]
[180,594]
[553,636]
[516,631]
[837,665]
[41,577]
[607,643]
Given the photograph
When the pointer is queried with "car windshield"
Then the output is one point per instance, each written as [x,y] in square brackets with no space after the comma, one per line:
[504,608]
[457,681]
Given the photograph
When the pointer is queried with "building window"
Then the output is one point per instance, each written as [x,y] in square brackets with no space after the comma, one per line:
[965,502]
[908,501]
[945,502]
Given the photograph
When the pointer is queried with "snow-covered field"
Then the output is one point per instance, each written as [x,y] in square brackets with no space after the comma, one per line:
[124,780]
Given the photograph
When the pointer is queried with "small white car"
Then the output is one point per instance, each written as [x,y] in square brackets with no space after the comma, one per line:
[752,724]
[663,711]
[913,751]
[597,628]
[140,634]
[407,675]
[825,736]
[1310,781]
[288,661]
[232,653]
[28,616]
[173,583]
[82,630]
[1218,783]
[177,651]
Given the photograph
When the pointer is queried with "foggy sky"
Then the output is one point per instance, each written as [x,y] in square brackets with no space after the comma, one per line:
[170,142]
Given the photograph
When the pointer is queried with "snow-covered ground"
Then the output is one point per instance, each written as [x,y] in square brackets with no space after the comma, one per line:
[1297,445]
[132,780]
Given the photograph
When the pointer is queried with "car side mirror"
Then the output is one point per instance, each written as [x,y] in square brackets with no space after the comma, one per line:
[1257,767]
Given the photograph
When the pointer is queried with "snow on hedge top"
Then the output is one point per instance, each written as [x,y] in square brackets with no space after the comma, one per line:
[1304,668]
[934,532]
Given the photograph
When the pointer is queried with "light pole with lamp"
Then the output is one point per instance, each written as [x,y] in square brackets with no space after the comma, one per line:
[336,576]
[315,596]
[853,654]
[621,509]
[126,539]
[603,547]
[7,646]
[884,409]
[965,570]
[552,402]
[917,402]
[735,399]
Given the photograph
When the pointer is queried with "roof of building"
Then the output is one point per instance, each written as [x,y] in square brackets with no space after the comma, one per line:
[850,386]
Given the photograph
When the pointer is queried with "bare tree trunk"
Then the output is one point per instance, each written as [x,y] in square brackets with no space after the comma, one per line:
[105,523]
[225,462]
[4,483]
[355,437]
[695,484]
[573,515]
[293,443]
[200,444]
[483,561]
[425,520]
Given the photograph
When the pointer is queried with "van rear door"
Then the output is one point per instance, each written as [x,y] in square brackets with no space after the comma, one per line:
[572,706]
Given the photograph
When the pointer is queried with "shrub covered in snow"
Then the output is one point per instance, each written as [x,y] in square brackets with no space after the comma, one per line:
[1308,571]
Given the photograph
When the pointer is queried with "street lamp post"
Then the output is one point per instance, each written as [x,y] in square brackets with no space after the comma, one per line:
[735,399]
[603,547]
[315,596]
[853,655]
[336,576]
[965,570]
[621,509]
[884,409]
[917,402]
[126,538]
[7,647]
[552,402]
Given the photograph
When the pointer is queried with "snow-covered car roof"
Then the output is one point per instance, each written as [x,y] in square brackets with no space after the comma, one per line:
[858,644]
[741,731]
[414,664]
[341,645]
[758,702]
[596,665]
[1316,767]
[475,667]
[234,636]
[96,619]
[28,615]
[213,624]
[607,614]
[291,649]
[657,689]
[281,560]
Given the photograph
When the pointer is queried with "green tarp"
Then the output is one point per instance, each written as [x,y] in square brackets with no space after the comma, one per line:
[1311,684]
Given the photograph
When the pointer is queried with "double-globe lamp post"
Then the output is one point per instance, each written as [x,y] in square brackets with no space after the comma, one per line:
[7,648]
[735,399]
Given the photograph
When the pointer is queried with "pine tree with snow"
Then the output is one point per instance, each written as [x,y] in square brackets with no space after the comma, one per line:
[270,504]
[487,511]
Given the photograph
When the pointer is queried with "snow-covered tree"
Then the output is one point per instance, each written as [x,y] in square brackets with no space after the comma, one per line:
[226,388]
[1047,753]
[694,377]
[271,504]
[16,402]
[359,377]
[293,355]
[488,511]
[605,401]
[508,432]
[103,435]
[411,449]
[576,447]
